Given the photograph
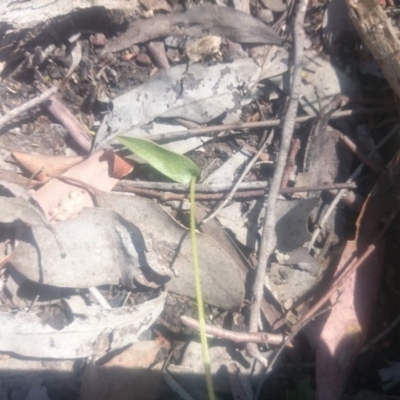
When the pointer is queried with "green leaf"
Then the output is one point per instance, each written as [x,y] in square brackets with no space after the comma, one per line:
[173,165]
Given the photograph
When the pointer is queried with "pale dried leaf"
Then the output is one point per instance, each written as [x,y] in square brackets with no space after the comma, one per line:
[227,172]
[76,55]
[199,92]
[276,63]
[100,249]
[321,83]
[291,226]
[97,332]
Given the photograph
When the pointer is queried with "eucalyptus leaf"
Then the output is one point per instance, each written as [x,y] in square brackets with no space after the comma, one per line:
[175,166]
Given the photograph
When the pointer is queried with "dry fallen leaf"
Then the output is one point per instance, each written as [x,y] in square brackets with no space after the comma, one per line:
[95,333]
[220,21]
[100,249]
[206,46]
[55,194]
[205,93]
[168,244]
[345,330]
[119,166]
[41,166]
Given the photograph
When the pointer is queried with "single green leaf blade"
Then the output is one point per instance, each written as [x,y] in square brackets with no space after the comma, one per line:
[173,165]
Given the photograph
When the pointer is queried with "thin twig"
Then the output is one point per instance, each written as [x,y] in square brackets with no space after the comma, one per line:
[381,335]
[130,186]
[14,113]
[211,130]
[70,122]
[123,186]
[236,185]
[99,297]
[238,337]
[268,240]
[359,154]
[237,195]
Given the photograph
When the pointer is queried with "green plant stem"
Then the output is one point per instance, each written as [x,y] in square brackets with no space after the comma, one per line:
[199,295]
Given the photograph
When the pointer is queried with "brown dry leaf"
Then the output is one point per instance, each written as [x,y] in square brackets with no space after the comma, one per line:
[56,195]
[120,167]
[41,166]
[344,332]
[220,21]
[199,49]
[128,376]
[156,49]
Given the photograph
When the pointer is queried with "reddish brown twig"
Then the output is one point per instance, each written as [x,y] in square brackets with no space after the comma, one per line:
[291,161]
[70,122]
[363,158]
[211,130]
[237,337]
[7,118]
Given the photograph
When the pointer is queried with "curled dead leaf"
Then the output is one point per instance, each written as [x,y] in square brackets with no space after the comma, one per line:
[206,46]
[41,166]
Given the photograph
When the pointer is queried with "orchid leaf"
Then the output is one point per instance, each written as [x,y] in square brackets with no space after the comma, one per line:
[173,165]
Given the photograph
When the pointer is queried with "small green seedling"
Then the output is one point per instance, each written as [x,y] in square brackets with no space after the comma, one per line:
[183,170]
[175,166]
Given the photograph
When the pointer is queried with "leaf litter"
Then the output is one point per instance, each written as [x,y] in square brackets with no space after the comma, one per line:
[203,93]
[126,251]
